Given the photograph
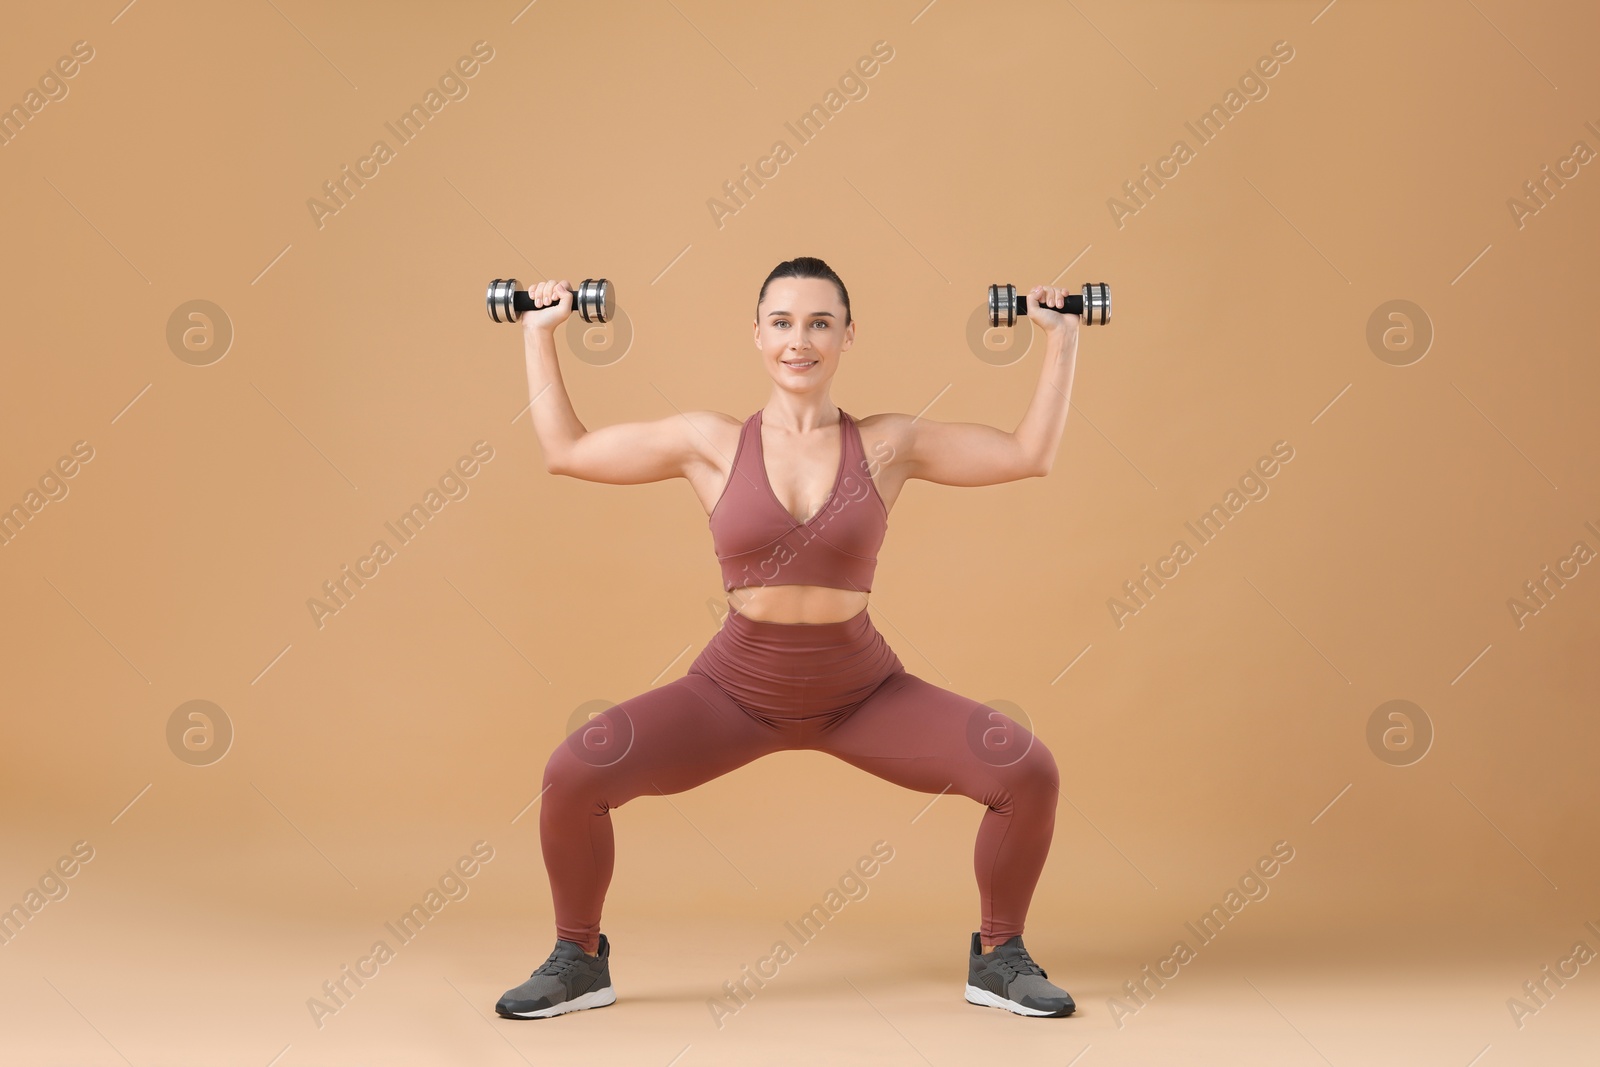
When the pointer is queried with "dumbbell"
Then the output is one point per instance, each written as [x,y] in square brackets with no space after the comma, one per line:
[595,299]
[1006,305]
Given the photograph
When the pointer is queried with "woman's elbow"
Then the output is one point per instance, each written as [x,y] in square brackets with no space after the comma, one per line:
[1033,464]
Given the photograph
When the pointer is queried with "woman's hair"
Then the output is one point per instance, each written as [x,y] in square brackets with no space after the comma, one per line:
[805,267]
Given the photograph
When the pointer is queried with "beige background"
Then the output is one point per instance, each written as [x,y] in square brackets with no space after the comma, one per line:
[1230,713]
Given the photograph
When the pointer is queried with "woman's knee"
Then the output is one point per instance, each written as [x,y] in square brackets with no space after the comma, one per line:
[598,743]
[1036,771]
[555,768]
[572,772]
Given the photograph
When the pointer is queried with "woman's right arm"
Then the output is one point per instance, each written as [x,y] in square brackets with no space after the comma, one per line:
[623,454]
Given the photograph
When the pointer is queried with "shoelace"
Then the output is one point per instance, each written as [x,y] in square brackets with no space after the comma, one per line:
[555,965]
[1018,964]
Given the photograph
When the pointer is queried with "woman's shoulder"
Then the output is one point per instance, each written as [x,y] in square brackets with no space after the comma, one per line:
[884,437]
[892,426]
[709,419]
[714,433]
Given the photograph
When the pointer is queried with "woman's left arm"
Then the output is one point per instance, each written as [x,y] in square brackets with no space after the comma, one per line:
[965,453]
[1042,424]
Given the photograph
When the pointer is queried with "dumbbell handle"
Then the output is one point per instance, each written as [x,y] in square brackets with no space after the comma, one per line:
[522,301]
[1074,305]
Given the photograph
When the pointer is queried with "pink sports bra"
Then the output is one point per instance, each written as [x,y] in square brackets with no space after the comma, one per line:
[759,543]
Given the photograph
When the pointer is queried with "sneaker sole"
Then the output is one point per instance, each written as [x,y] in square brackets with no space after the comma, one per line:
[978,995]
[597,998]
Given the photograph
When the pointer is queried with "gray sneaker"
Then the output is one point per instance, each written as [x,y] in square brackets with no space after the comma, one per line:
[1008,978]
[570,980]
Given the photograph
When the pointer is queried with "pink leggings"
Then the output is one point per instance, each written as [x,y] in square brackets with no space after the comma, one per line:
[760,687]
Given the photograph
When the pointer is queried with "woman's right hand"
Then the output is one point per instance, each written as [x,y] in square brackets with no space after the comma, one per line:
[546,319]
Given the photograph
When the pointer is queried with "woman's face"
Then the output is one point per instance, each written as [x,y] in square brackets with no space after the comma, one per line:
[801,320]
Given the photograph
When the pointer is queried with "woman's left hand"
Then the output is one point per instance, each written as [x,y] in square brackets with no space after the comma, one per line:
[1047,318]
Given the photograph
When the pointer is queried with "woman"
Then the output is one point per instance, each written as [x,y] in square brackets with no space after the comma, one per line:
[797,663]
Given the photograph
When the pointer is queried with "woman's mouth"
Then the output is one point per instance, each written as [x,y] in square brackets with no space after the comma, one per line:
[800,365]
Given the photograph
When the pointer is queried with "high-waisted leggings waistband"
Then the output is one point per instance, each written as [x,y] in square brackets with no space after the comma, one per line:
[797,670]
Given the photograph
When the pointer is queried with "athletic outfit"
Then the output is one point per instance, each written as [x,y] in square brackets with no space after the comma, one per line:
[762,687]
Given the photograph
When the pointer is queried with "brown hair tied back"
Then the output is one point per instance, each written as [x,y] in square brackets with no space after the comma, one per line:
[805,267]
